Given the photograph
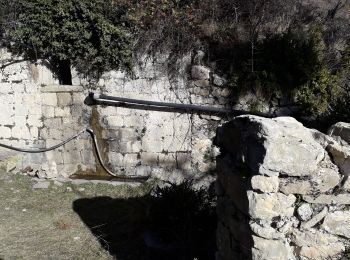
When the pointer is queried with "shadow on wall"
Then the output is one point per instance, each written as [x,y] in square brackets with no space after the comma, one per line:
[145,228]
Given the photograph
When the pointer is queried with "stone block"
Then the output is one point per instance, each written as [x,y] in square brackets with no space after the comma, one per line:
[265,249]
[6,88]
[5,132]
[21,132]
[113,122]
[143,170]
[324,180]
[338,223]
[53,122]
[312,237]
[34,132]
[78,98]
[183,161]
[321,252]
[130,159]
[167,160]
[48,89]
[340,199]
[48,111]
[64,99]
[35,120]
[62,112]
[20,121]
[267,206]
[71,157]
[149,158]
[264,183]
[200,72]
[49,99]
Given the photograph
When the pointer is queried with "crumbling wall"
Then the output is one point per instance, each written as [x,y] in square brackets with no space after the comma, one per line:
[36,112]
[283,190]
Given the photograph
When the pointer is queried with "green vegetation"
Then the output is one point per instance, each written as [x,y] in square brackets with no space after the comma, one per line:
[69,33]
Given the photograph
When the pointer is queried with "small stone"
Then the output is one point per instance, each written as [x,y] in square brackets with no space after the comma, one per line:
[69,189]
[24,210]
[41,185]
[81,189]
[76,238]
[316,219]
[7,208]
[200,72]
[304,212]
[265,231]
[219,81]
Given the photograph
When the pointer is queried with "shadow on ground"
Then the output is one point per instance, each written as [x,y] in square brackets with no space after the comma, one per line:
[122,227]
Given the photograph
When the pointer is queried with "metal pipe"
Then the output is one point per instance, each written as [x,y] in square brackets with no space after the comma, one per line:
[97,150]
[101,99]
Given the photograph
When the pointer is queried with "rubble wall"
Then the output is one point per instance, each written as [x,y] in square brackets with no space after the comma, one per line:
[283,190]
[37,112]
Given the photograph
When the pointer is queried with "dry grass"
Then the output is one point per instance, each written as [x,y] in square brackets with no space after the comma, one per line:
[41,224]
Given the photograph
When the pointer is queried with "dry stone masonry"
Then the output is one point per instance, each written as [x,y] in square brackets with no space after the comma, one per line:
[36,112]
[283,190]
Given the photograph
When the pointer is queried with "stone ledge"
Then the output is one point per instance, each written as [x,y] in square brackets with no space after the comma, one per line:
[61,88]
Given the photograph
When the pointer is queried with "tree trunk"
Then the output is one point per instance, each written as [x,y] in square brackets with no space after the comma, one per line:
[64,72]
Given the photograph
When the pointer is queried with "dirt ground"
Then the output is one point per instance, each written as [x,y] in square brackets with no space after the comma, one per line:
[68,221]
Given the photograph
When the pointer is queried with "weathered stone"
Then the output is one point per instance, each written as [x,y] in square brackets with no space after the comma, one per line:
[305,212]
[315,219]
[35,121]
[265,231]
[321,252]
[202,87]
[272,146]
[269,249]
[324,180]
[143,170]
[5,132]
[341,199]
[64,99]
[312,237]
[49,99]
[62,112]
[21,132]
[264,183]
[341,130]
[295,186]
[61,88]
[218,81]
[346,185]
[200,72]
[338,223]
[267,206]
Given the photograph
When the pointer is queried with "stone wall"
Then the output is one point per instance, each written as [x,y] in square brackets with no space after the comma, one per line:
[283,190]
[36,112]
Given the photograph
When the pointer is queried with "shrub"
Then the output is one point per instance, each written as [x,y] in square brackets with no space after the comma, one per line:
[69,33]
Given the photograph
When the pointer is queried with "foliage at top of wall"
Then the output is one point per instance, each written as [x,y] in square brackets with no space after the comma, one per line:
[69,33]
